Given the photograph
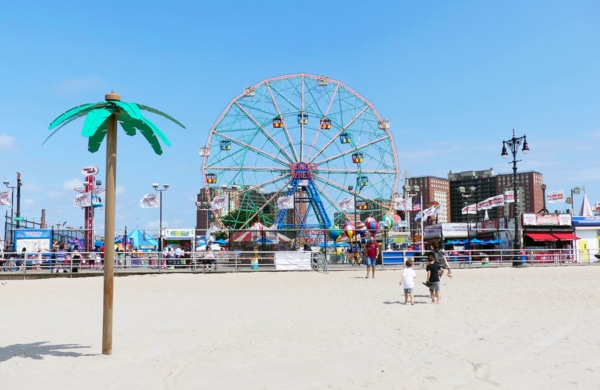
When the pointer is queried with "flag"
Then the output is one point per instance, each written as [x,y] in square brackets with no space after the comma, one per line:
[438,209]
[418,216]
[150,201]
[285,202]
[219,202]
[403,204]
[417,205]
[346,203]
[5,198]
[556,196]
[470,209]
[428,211]
[83,200]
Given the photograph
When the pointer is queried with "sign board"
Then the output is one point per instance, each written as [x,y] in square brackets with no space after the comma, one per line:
[178,234]
[90,170]
[33,240]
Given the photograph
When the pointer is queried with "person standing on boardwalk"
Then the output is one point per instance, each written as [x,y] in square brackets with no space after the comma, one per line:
[408,281]
[372,251]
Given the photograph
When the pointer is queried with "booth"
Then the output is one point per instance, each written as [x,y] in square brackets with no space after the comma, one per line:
[587,229]
[549,236]
[183,239]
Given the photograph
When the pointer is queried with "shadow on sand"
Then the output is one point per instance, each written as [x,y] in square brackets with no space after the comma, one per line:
[40,349]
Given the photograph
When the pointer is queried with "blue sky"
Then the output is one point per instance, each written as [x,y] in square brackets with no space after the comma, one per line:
[454,79]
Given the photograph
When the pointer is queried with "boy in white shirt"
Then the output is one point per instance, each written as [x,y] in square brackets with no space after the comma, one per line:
[408,282]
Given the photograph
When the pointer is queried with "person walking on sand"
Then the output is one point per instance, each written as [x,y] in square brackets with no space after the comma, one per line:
[440,258]
[433,279]
[372,251]
[408,281]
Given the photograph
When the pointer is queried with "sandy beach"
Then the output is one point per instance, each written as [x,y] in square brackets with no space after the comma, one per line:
[501,328]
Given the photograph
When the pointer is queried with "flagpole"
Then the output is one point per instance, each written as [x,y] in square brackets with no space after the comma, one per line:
[422,232]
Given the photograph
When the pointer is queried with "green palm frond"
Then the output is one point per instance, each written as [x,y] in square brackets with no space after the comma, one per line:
[128,126]
[129,115]
[73,114]
[97,138]
[131,109]
[157,112]
[150,136]
[95,119]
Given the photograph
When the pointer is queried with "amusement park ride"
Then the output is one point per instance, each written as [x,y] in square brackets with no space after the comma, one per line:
[306,137]
[89,199]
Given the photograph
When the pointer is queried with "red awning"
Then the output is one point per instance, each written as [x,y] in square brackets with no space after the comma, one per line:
[542,237]
[565,236]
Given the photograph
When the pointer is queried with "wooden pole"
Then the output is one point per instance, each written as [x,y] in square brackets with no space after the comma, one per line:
[109,228]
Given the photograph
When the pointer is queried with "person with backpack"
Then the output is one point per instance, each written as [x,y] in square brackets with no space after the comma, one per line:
[440,258]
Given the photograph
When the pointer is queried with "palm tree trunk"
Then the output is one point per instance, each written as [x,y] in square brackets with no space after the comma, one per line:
[109,233]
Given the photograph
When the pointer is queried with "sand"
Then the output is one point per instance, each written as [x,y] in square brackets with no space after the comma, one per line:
[501,328]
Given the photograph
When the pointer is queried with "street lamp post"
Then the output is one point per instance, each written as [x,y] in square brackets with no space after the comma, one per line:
[350,188]
[293,191]
[12,200]
[574,191]
[160,201]
[466,193]
[544,210]
[513,144]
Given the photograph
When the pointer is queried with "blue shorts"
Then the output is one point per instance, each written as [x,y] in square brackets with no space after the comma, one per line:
[371,261]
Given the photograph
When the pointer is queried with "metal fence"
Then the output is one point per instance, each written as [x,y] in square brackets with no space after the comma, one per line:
[14,264]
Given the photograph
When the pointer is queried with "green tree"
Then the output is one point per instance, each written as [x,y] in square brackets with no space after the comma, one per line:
[101,122]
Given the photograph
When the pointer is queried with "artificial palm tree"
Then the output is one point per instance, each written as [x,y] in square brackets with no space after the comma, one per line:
[101,122]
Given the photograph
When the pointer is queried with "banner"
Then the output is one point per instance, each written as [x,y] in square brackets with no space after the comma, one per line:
[219,202]
[470,209]
[484,204]
[5,198]
[497,201]
[150,201]
[509,197]
[285,202]
[556,196]
[403,204]
[347,203]
[83,200]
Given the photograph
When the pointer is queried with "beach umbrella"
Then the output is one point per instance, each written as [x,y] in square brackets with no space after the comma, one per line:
[349,229]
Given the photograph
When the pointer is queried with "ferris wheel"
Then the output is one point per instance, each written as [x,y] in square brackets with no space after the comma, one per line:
[289,149]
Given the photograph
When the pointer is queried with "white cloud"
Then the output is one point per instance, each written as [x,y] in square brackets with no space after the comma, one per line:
[7,142]
[73,183]
[55,195]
